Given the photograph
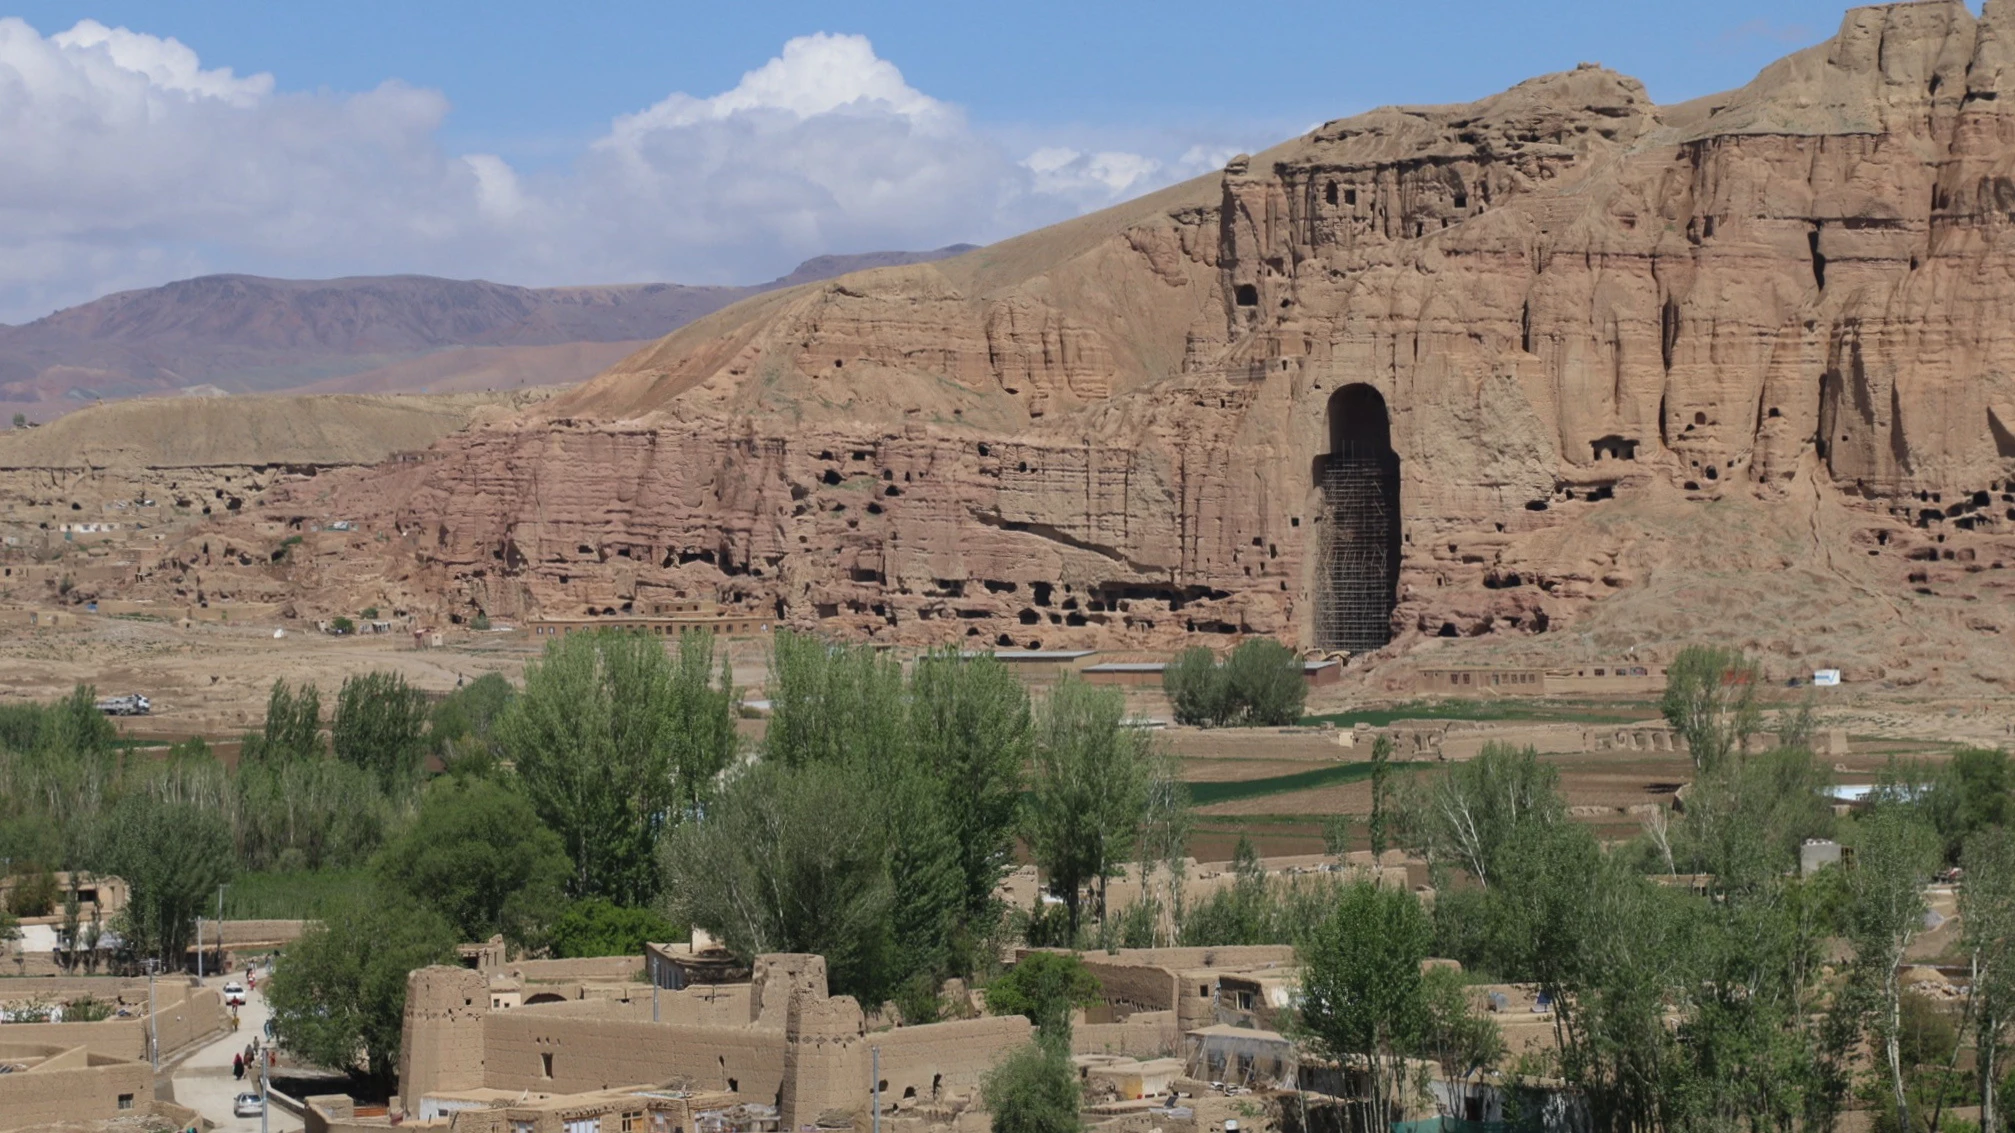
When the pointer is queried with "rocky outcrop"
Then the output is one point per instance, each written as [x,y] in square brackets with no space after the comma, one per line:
[1772,326]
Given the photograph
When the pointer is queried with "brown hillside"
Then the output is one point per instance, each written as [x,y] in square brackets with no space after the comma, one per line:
[1558,374]
[244,333]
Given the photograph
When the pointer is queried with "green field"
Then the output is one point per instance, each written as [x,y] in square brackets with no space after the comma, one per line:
[1204,794]
[290,894]
[1539,711]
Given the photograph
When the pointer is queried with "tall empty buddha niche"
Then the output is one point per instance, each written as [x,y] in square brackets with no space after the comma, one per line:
[1357,559]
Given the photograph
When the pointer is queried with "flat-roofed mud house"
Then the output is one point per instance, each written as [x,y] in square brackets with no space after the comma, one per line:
[778,1039]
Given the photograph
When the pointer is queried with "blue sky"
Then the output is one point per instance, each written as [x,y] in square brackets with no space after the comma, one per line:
[548,143]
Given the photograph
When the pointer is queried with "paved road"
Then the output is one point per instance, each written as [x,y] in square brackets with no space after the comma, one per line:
[203,1081]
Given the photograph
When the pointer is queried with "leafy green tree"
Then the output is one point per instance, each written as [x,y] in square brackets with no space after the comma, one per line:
[1336,835]
[791,860]
[1885,913]
[479,856]
[1363,997]
[704,740]
[339,995]
[1974,791]
[1744,821]
[1710,700]
[1198,688]
[932,770]
[1987,930]
[1089,795]
[310,813]
[379,725]
[1265,682]
[1239,913]
[834,703]
[1034,1090]
[1379,825]
[594,927]
[34,892]
[971,721]
[173,855]
[1045,987]
[1259,684]
[20,420]
[464,723]
[1467,814]
[293,728]
[927,889]
[596,738]
[1464,1044]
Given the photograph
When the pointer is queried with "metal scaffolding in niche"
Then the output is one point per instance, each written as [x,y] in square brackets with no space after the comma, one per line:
[1358,553]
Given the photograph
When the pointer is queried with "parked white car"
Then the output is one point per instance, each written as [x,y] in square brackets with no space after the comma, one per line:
[234,994]
[247,1105]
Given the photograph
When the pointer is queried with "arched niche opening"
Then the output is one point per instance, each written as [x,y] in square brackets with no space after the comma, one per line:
[1358,551]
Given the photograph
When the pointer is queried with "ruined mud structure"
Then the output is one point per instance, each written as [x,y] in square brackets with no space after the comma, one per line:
[1425,372]
[778,1039]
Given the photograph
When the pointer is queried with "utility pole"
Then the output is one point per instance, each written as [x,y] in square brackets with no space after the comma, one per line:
[153,1017]
[654,993]
[265,1090]
[875,1087]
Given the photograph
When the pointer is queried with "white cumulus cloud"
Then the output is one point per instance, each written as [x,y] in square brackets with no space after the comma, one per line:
[124,161]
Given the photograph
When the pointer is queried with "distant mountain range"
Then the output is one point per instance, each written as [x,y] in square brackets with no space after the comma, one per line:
[224,334]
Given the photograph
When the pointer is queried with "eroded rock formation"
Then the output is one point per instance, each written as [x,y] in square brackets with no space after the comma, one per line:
[1590,319]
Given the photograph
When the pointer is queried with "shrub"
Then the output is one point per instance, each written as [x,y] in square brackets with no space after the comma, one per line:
[86,1009]
[1034,1090]
[34,894]
[340,624]
[594,927]
[1044,987]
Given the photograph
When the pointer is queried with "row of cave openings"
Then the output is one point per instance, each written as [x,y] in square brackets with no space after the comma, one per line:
[1969,511]
[1137,606]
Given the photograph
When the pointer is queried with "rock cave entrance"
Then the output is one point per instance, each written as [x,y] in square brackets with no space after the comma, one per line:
[1357,555]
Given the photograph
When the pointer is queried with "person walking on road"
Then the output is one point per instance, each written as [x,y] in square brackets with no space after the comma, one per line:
[238,1067]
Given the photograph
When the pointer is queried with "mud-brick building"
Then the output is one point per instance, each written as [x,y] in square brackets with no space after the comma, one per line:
[777,1040]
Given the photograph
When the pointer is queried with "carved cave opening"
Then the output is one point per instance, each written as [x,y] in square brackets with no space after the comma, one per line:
[1357,555]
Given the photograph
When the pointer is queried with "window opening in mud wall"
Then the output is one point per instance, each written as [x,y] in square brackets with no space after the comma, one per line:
[1357,561]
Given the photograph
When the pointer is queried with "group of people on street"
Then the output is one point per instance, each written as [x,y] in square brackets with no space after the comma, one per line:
[248,1058]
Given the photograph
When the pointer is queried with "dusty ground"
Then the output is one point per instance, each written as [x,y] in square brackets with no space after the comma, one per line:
[212,680]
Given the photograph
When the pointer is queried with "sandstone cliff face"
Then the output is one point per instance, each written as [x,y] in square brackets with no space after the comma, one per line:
[1787,312]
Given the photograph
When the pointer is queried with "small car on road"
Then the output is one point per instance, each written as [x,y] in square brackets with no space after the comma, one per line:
[247,1105]
[234,994]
